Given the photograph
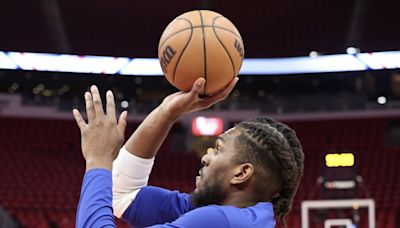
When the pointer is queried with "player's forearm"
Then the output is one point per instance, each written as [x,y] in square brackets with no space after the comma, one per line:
[148,137]
[133,165]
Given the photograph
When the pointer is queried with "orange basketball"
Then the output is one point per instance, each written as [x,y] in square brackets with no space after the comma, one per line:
[201,43]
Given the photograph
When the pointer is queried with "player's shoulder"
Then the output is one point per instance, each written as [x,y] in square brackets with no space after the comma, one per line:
[204,217]
[214,212]
[257,216]
[208,209]
[217,209]
[260,215]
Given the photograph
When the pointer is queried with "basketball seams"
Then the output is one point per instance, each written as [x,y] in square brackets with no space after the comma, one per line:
[204,51]
[219,41]
[228,30]
[199,26]
[183,50]
[175,33]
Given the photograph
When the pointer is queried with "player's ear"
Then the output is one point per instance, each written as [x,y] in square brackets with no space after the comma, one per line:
[242,173]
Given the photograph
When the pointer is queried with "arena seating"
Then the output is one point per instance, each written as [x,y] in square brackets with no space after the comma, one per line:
[41,167]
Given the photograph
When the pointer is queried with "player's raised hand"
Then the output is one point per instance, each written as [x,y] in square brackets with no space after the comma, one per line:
[102,136]
[180,103]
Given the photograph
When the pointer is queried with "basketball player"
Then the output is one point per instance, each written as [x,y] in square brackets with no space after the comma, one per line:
[248,178]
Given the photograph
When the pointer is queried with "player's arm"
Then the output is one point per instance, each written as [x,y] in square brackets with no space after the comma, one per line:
[101,139]
[147,139]
[95,204]
[134,163]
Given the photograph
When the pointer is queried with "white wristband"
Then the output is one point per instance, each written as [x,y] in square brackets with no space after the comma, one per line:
[130,173]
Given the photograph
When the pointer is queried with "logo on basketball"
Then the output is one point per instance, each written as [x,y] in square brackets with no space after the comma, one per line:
[167,56]
[239,48]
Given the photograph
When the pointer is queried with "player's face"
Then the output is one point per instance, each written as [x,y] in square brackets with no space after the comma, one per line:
[213,182]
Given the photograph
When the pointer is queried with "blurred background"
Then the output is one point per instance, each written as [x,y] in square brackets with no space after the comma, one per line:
[350,117]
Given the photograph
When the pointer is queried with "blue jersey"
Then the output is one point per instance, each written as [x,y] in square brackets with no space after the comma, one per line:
[161,208]
[95,203]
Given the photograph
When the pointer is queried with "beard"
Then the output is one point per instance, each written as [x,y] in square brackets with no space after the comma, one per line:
[213,193]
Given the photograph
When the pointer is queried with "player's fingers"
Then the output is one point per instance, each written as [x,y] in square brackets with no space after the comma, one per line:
[98,106]
[122,122]
[110,107]
[220,95]
[228,89]
[198,87]
[89,107]
[79,119]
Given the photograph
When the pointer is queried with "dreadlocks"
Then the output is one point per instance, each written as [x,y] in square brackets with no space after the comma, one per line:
[278,157]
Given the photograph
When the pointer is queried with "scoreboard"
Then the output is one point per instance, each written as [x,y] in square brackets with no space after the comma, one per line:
[339,175]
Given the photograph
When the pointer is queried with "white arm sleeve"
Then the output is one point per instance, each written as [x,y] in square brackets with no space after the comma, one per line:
[130,173]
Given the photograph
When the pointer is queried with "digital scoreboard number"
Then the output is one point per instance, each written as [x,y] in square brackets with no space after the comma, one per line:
[339,160]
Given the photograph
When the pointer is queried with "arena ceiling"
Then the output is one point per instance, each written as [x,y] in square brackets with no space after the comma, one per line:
[132,28]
